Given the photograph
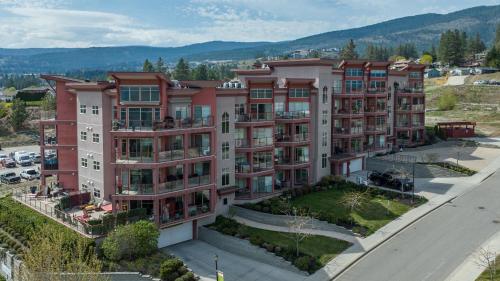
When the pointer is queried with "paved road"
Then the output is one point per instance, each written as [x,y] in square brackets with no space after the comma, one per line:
[433,247]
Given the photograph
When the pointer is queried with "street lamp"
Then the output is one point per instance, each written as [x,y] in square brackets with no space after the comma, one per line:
[216,258]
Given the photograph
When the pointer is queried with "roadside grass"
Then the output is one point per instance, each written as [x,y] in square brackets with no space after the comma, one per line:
[377,211]
[485,276]
[315,250]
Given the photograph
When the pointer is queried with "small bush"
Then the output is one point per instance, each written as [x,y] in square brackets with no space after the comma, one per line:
[447,101]
[169,269]
[182,270]
[302,263]
[256,240]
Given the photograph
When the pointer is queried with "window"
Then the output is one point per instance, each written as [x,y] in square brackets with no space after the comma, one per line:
[324,139]
[83,135]
[139,93]
[97,165]
[323,160]
[85,187]
[201,112]
[224,201]
[325,95]
[239,109]
[97,192]
[95,110]
[225,176]
[83,109]
[377,85]
[84,162]
[261,93]
[95,138]
[378,73]
[298,93]
[354,72]
[324,119]
[225,123]
[225,150]
[353,86]
[262,111]
[415,75]
[337,86]
[299,107]
[279,107]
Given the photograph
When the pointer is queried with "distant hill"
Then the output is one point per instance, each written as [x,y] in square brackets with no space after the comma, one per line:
[423,30]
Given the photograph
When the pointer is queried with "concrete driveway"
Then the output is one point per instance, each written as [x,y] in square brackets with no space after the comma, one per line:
[199,256]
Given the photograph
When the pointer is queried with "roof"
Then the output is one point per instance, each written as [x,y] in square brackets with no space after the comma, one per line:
[257,71]
[201,83]
[303,62]
[91,86]
[60,78]
[139,75]
[414,66]
[299,81]
[365,63]
[452,123]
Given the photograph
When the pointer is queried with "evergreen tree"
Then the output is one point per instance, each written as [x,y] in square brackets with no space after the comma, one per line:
[433,53]
[451,47]
[348,52]
[200,72]
[160,65]
[182,71]
[18,114]
[497,38]
[407,50]
[148,66]
[475,45]
[493,56]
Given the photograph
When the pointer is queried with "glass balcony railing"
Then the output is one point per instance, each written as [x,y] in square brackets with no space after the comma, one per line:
[292,114]
[171,154]
[198,180]
[283,160]
[241,143]
[418,107]
[376,128]
[259,142]
[136,189]
[170,186]
[404,107]
[199,151]
[242,168]
[255,117]
[167,123]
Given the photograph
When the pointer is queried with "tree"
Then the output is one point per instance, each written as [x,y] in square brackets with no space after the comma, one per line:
[200,72]
[433,53]
[131,241]
[493,56]
[348,52]
[148,66]
[297,221]
[53,257]
[18,114]
[447,101]
[160,66]
[426,59]
[48,102]
[487,260]
[452,47]
[475,45]
[182,71]
[379,53]
[354,201]
[407,50]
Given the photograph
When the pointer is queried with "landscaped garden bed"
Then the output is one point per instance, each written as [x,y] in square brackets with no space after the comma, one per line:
[455,167]
[329,201]
[315,251]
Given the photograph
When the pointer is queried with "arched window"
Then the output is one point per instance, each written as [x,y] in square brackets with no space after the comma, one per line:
[225,123]
[325,95]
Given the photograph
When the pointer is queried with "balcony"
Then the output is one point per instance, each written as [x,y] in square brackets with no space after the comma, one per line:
[168,123]
[175,153]
[403,107]
[174,184]
[295,138]
[375,109]
[418,107]
[358,112]
[195,180]
[202,151]
[254,117]
[292,115]
[247,170]
[135,189]
[376,129]
[347,131]
[403,124]
[260,142]
[408,90]
[374,91]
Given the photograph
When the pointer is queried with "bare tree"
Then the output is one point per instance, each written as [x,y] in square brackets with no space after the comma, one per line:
[297,221]
[487,260]
[354,201]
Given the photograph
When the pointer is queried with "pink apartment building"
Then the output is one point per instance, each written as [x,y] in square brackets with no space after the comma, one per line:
[187,150]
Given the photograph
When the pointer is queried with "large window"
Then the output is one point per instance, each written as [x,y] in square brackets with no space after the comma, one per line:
[301,154]
[325,95]
[302,107]
[139,148]
[239,109]
[377,85]
[353,86]
[225,150]
[262,136]
[95,110]
[262,111]
[337,86]
[139,94]
[225,176]
[324,139]
[354,72]
[95,138]
[262,184]
[141,117]
[298,93]
[378,73]
[225,123]
[262,161]
[261,93]
[323,160]
[202,112]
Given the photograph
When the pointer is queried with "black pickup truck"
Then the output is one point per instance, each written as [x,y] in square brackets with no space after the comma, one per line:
[10,177]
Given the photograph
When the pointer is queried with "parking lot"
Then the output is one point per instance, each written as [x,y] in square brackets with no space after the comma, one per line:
[5,188]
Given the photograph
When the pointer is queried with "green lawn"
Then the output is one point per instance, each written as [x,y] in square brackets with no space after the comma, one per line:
[315,249]
[375,213]
[320,247]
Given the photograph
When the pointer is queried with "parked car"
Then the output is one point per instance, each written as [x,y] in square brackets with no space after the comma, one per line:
[24,160]
[10,177]
[3,157]
[30,174]
[480,82]
[9,163]
[391,179]
[36,157]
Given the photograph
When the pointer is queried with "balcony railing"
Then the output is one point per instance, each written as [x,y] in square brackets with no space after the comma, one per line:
[264,166]
[376,90]
[170,186]
[241,143]
[166,124]
[418,124]
[136,189]
[301,137]
[292,114]
[242,168]
[198,180]
[410,90]
[347,131]
[173,154]
[283,160]
[376,128]
[48,115]
[403,124]
[375,109]
[199,151]
[404,107]
[255,117]
[418,107]
[301,160]
[343,111]
[259,142]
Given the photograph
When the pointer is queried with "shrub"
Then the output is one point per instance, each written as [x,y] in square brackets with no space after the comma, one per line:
[270,247]
[169,269]
[256,240]
[302,263]
[182,270]
[447,101]
[131,241]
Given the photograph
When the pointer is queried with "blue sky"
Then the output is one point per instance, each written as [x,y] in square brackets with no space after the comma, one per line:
[85,23]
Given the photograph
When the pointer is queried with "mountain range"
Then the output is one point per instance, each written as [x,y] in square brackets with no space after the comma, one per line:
[422,30]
